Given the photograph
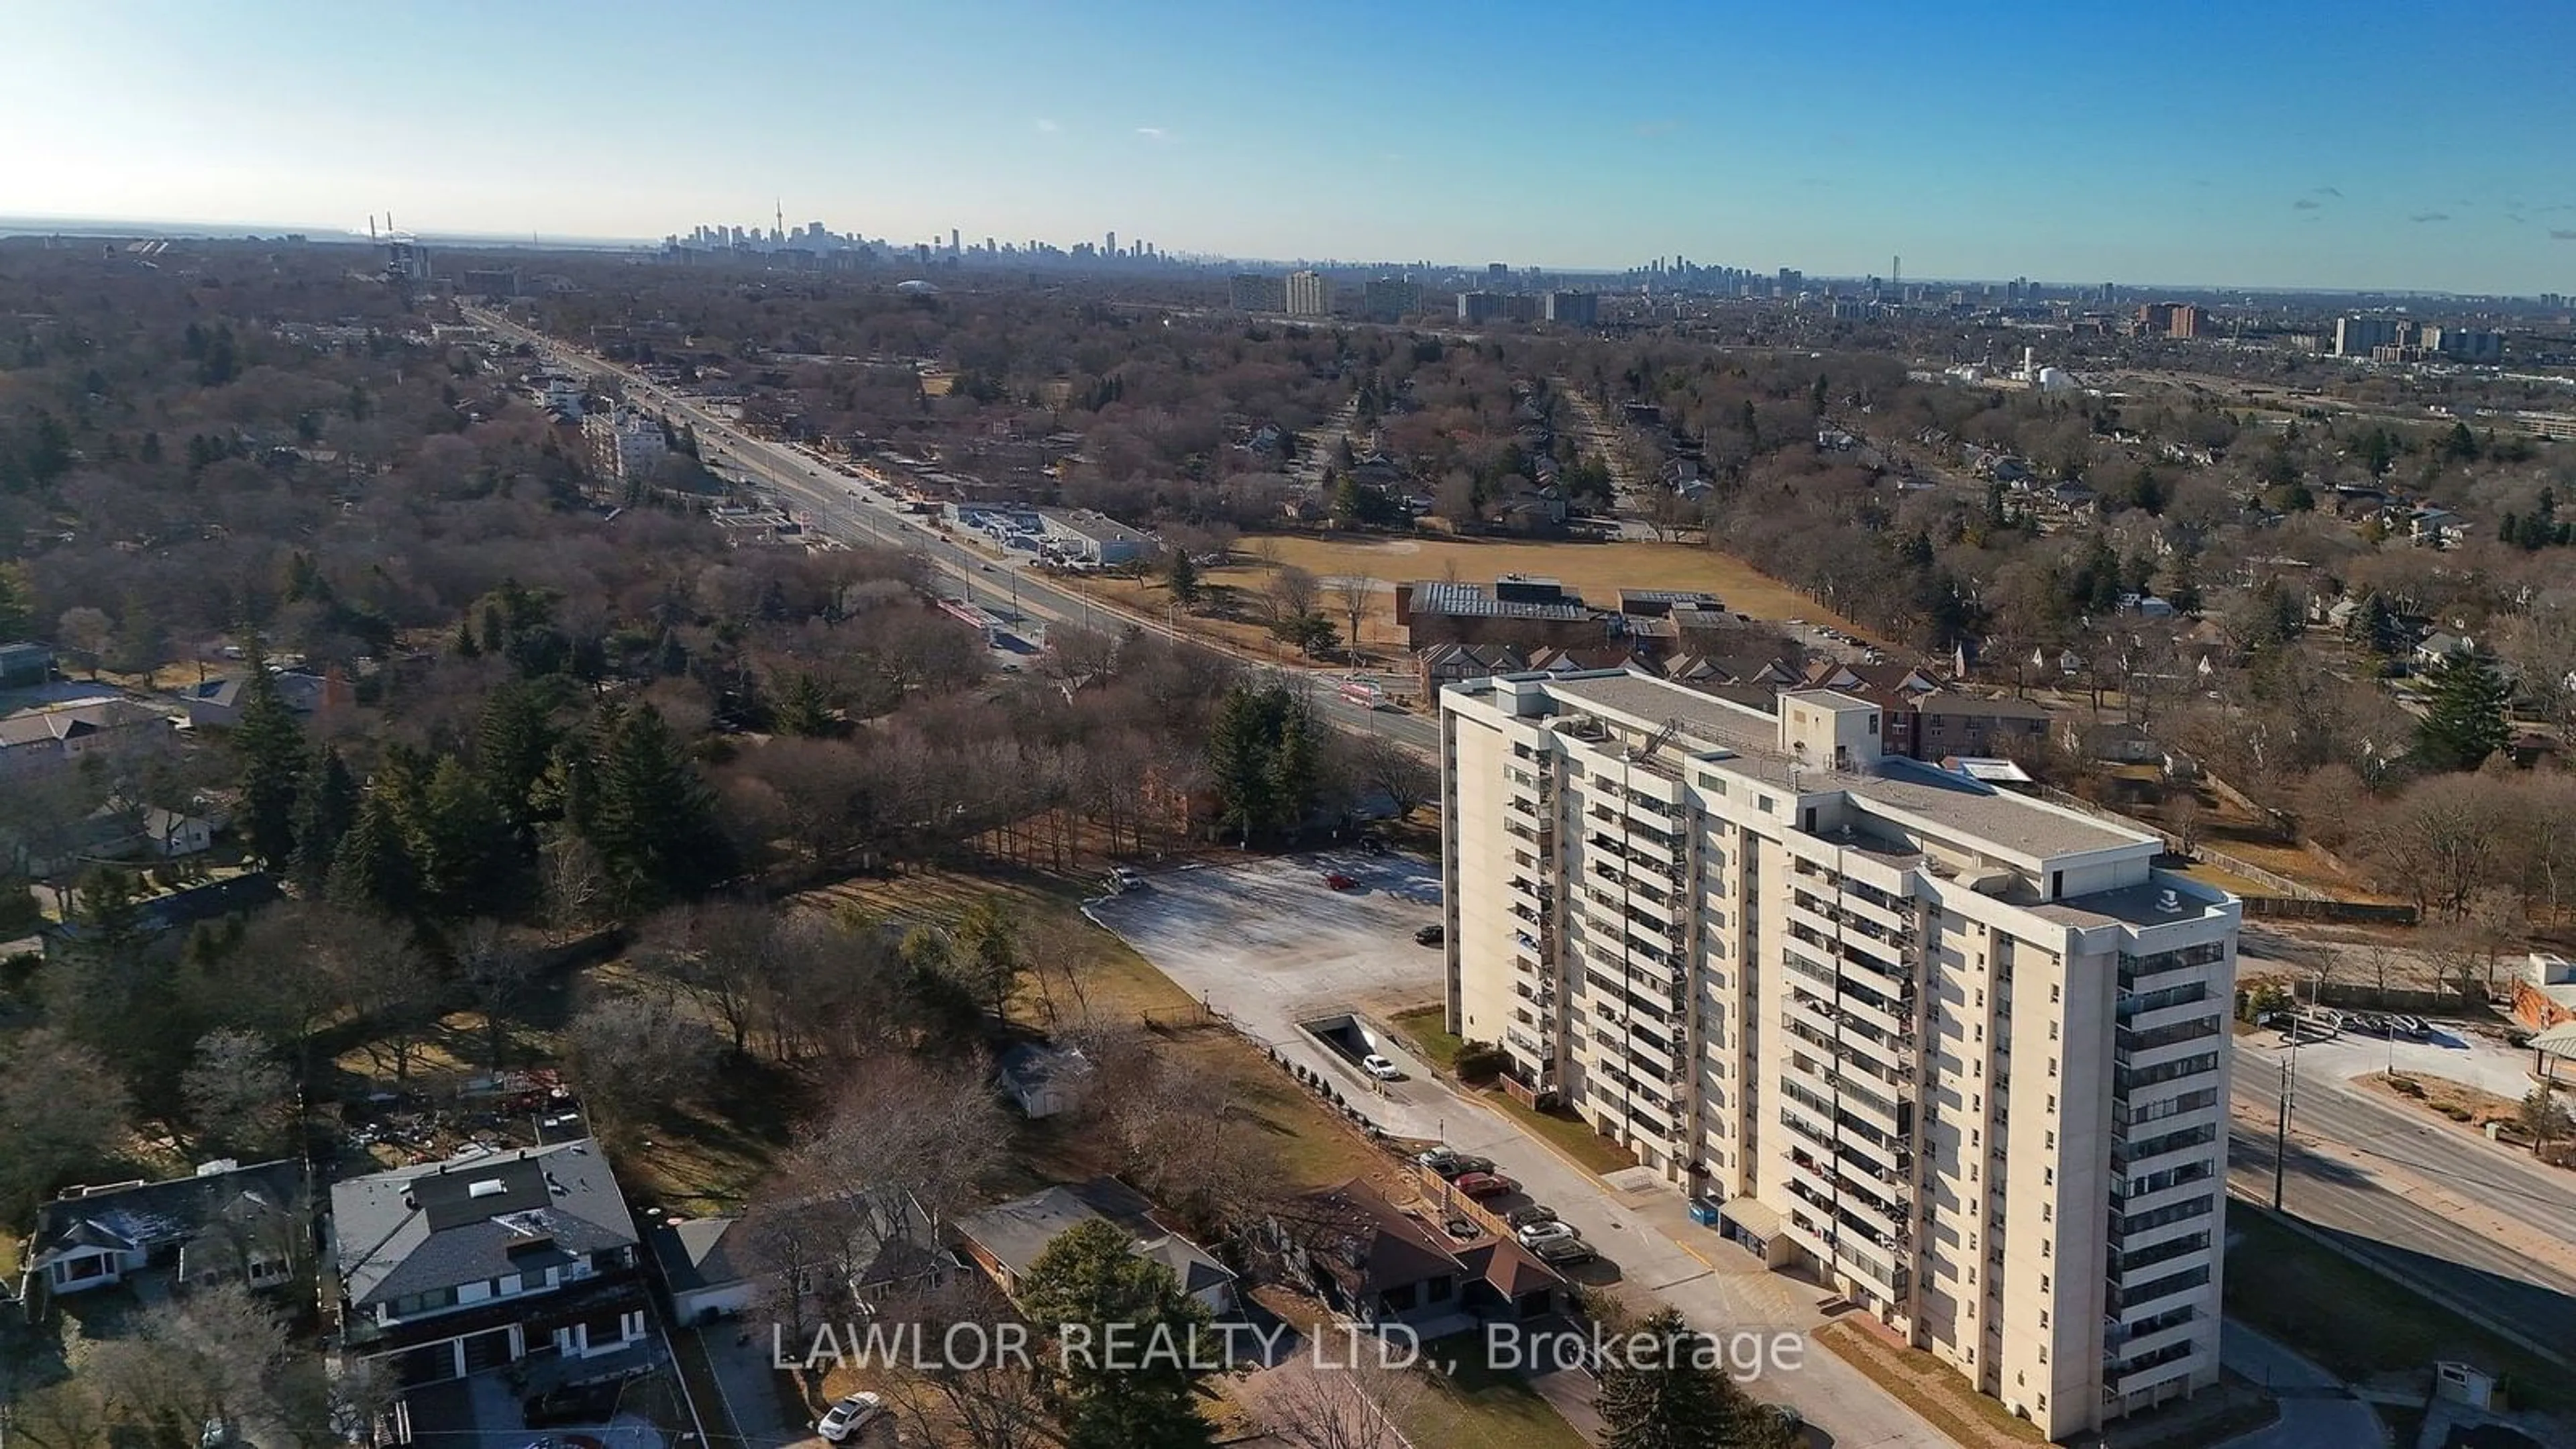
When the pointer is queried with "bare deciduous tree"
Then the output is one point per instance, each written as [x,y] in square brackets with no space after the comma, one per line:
[1356,1406]
[1355,593]
[636,1052]
[1292,592]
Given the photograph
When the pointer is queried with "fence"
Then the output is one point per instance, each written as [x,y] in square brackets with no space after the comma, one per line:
[2311,908]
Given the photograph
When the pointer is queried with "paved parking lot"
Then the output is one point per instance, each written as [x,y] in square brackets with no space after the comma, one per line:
[2450,1052]
[1269,945]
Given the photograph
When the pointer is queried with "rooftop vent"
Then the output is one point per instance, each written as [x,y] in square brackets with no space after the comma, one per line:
[2170,903]
[487,1187]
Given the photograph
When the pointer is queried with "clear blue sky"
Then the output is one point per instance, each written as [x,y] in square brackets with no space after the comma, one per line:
[2338,143]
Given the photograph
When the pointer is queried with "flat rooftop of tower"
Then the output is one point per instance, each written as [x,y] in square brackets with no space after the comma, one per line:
[1941,800]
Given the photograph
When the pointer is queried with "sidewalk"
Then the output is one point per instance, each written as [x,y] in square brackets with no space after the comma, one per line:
[2317,1411]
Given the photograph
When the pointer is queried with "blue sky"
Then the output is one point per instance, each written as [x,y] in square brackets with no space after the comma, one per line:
[2281,142]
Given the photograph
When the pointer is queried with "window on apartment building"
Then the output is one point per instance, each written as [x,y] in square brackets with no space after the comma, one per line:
[1764,802]
[2052,1031]
[2052,1101]
[2052,1139]
[2043,1349]
[2052,991]
[2052,1066]
[2048,1212]
[2048,1177]
[2045,1253]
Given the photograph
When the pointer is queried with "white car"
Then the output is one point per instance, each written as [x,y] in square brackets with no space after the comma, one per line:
[1380,1068]
[849,1416]
[1533,1234]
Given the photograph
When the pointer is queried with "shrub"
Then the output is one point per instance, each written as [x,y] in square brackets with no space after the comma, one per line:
[1480,1061]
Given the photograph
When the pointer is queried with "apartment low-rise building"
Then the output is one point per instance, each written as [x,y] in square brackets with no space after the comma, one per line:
[1961,1052]
[625,447]
[1309,294]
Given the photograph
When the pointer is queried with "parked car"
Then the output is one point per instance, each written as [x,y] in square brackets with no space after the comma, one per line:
[849,1416]
[1533,1234]
[575,1404]
[1460,1164]
[1438,1159]
[1563,1252]
[1335,880]
[1528,1213]
[1430,936]
[1485,1184]
[1380,1068]
[1125,878]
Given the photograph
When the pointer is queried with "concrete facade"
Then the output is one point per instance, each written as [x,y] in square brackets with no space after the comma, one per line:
[1963,1050]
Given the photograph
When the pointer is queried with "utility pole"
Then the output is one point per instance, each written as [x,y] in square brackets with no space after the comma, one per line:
[2281,1134]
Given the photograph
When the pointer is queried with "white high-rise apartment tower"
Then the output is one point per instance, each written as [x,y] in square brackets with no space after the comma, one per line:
[1309,294]
[1960,1052]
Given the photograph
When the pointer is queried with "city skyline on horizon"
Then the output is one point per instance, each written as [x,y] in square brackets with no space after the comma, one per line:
[1989,144]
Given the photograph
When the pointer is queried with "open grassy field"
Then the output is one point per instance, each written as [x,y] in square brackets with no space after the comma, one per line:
[1595,570]
[1234,609]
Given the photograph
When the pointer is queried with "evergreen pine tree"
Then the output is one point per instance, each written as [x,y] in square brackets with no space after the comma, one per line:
[653,822]
[1240,742]
[372,870]
[1182,574]
[1666,1388]
[804,708]
[466,648]
[326,805]
[2464,717]
[270,746]
[513,744]
[466,857]
[1091,1279]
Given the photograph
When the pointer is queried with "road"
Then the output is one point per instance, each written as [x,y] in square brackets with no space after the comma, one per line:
[2316,1411]
[2435,1204]
[841,507]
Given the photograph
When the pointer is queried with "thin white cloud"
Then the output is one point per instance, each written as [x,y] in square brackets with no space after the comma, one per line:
[1047,127]
[1153,133]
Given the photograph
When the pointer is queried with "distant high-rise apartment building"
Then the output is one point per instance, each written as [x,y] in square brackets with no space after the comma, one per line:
[2463,344]
[2110,295]
[1790,282]
[1254,292]
[1110,247]
[1309,294]
[1574,309]
[2361,336]
[625,446]
[1961,1053]
[1387,299]
[1482,306]
[2185,323]
[1498,273]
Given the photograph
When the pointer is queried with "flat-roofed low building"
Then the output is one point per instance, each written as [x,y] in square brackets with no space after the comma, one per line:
[1093,538]
[1530,613]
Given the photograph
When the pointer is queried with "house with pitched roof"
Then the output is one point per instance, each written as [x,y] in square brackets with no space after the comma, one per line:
[1005,1240]
[486,1259]
[1380,1265]
[226,1223]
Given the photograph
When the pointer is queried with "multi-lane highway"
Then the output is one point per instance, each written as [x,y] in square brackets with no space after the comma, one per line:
[2375,1174]
[842,507]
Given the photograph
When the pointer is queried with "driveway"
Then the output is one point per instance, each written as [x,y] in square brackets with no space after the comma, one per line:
[2317,1411]
[482,1412]
[1268,945]
[743,1376]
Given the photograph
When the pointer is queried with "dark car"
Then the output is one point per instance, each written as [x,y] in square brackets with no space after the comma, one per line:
[1528,1213]
[1430,936]
[1563,1252]
[578,1404]
[1460,1164]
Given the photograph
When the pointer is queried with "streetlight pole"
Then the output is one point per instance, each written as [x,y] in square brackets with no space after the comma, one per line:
[2281,1134]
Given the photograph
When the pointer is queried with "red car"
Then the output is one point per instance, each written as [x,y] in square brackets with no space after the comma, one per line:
[1484,1184]
[1340,882]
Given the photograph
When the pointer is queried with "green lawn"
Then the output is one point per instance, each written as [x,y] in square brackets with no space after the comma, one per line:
[1427,1027]
[2358,1323]
[1475,1405]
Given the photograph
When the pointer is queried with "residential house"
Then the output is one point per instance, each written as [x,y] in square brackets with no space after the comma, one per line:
[1381,1265]
[1959,724]
[1006,1240]
[708,1268]
[2437,646]
[2116,743]
[839,1255]
[217,703]
[226,1223]
[486,1259]
[1455,663]
[1585,656]
[2432,525]
[1045,1080]
[53,737]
